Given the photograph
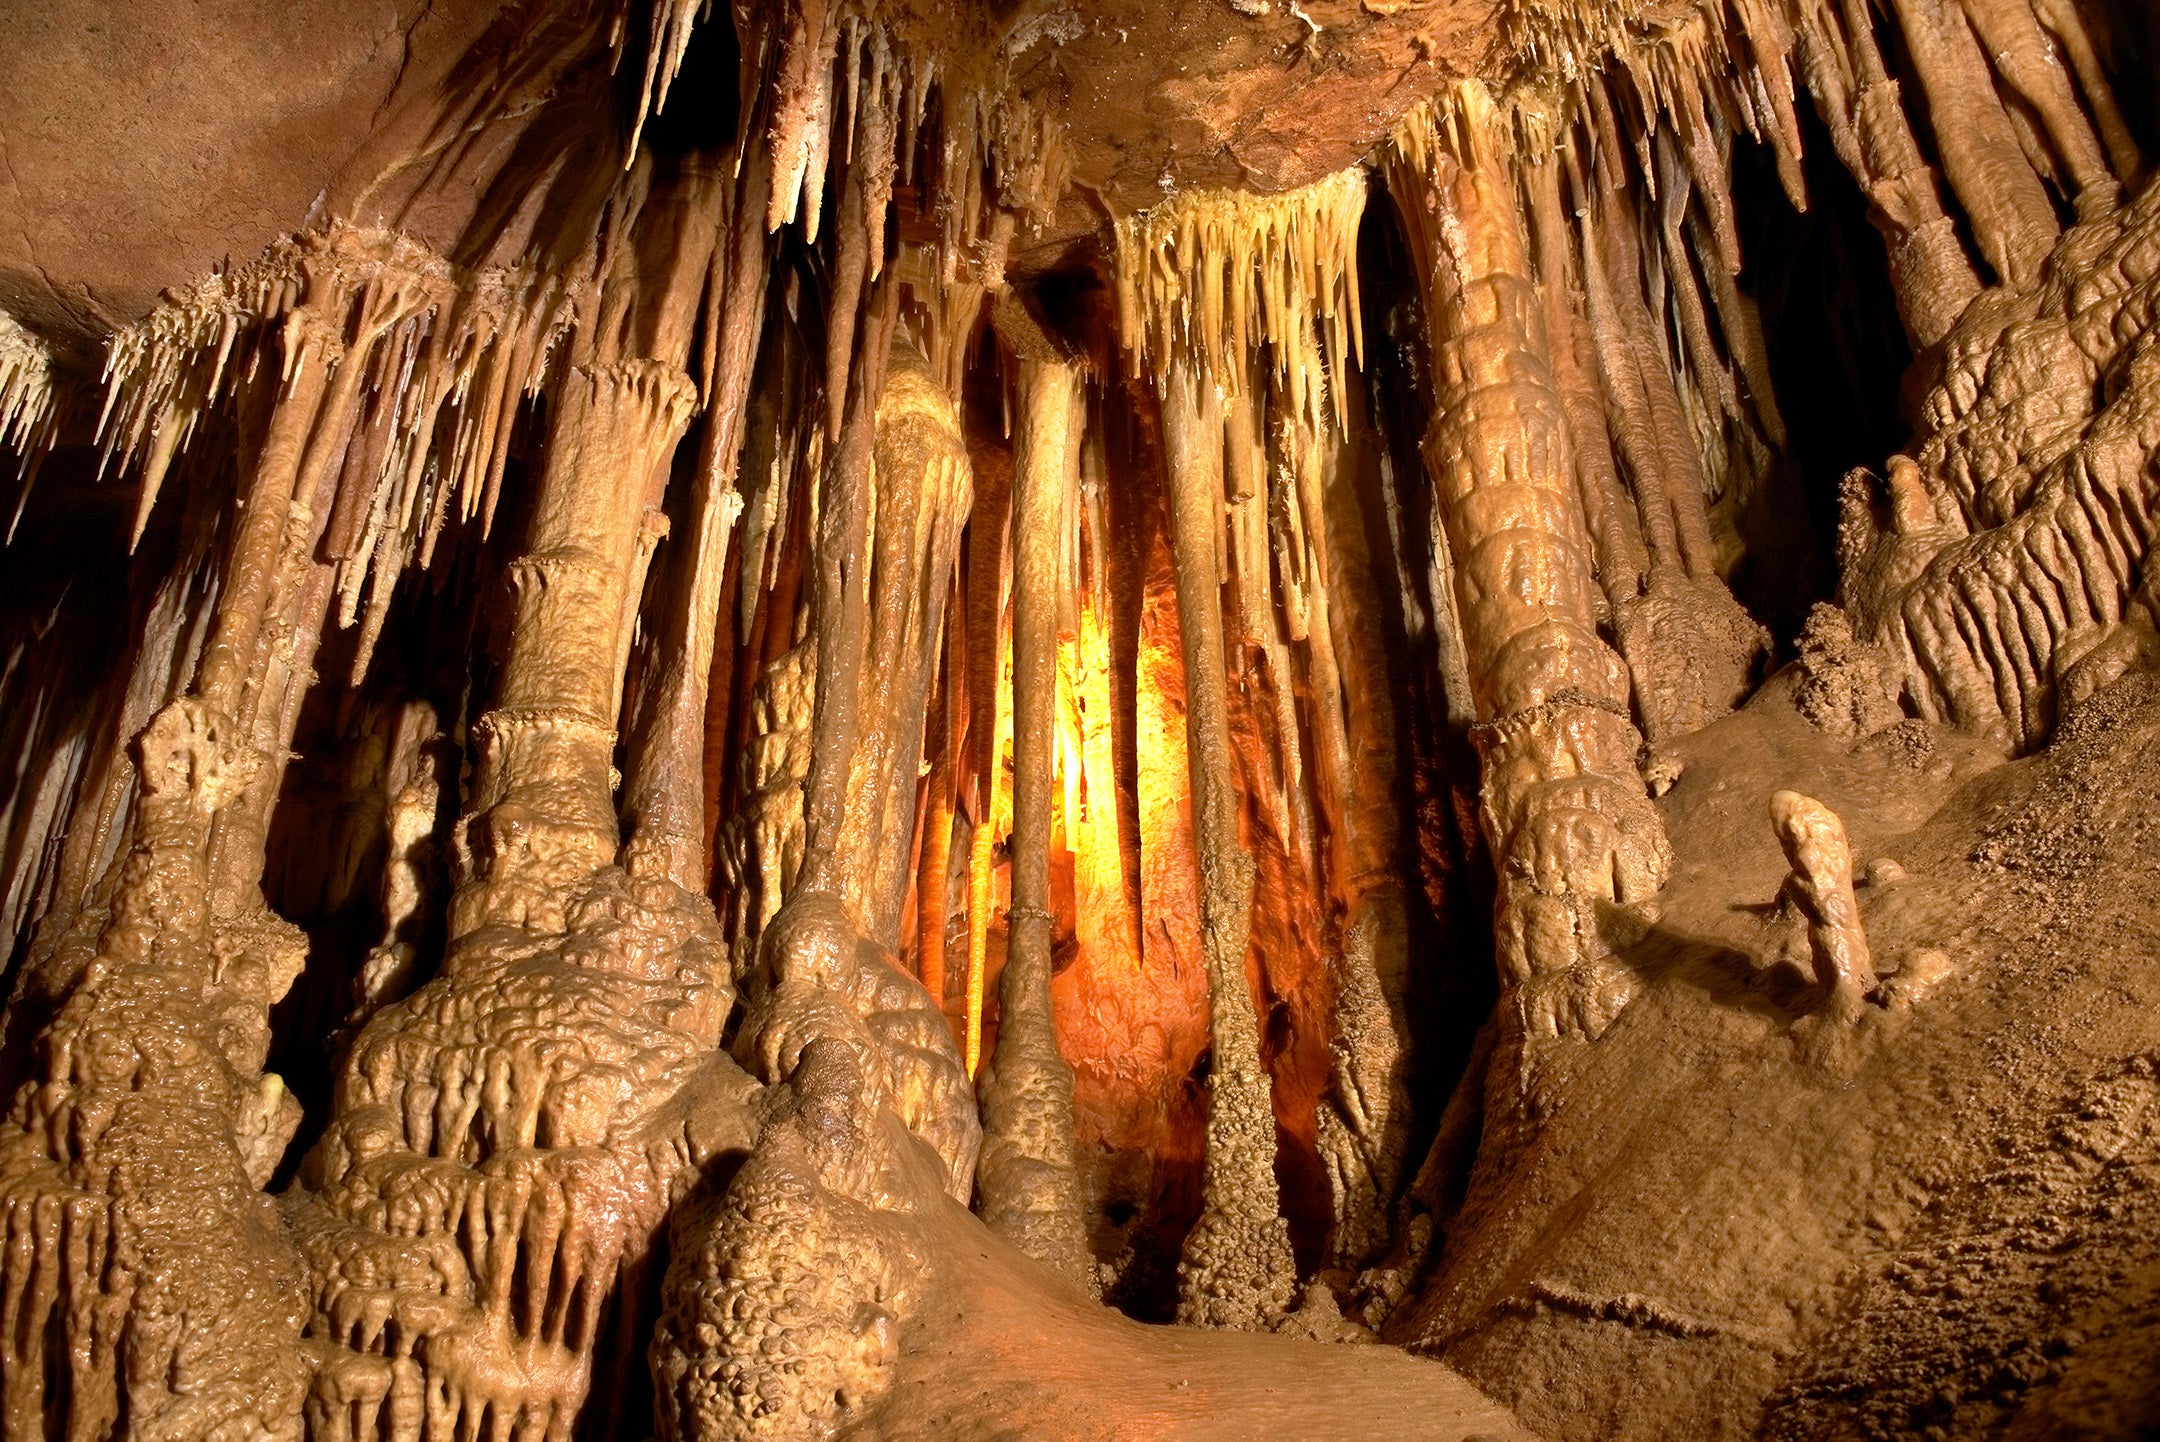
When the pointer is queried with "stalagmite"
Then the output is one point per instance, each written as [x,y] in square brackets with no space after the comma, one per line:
[145,1274]
[1563,808]
[1363,1132]
[1821,886]
[2013,535]
[526,1181]
[1030,1194]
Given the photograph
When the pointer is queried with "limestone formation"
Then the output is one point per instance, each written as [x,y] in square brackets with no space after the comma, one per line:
[1821,887]
[868,718]
[1563,810]
[1030,1193]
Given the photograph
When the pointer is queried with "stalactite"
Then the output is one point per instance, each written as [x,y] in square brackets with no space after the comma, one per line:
[669,815]
[924,490]
[27,411]
[539,1075]
[988,733]
[933,879]
[1030,1193]
[2026,62]
[2063,22]
[1691,648]
[1623,563]
[759,842]
[468,342]
[2013,223]
[1859,100]
[1215,274]
[1248,556]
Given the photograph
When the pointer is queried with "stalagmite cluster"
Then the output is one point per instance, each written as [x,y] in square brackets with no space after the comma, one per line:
[805,695]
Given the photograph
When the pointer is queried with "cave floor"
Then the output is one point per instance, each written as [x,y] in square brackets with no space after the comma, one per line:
[1730,1217]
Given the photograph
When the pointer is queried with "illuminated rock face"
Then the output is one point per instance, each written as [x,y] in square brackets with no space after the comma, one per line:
[769,718]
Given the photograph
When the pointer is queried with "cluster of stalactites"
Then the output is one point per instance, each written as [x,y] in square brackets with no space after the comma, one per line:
[2014,93]
[1713,68]
[1211,275]
[1621,141]
[1625,170]
[444,357]
[822,63]
[26,399]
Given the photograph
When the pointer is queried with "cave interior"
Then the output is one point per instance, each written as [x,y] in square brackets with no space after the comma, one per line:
[1080,719]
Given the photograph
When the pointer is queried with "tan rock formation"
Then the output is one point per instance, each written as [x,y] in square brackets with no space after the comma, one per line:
[1030,1192]
[1564,812]
[785,691]
[1821,886]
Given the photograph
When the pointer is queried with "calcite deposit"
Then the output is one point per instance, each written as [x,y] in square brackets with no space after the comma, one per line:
[829,719]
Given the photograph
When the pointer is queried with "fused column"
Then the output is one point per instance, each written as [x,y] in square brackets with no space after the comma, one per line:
[1030,1192]
[1564,810]
[1236,1270]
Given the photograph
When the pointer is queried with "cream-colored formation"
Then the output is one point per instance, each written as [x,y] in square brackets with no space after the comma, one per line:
[147,1276]
[1821,887]
[664,1062]
[2013,542]
[1030,1191]
[1567,818]
[1208,283]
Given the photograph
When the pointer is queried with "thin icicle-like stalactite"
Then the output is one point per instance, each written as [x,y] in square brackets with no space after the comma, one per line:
[28,413]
